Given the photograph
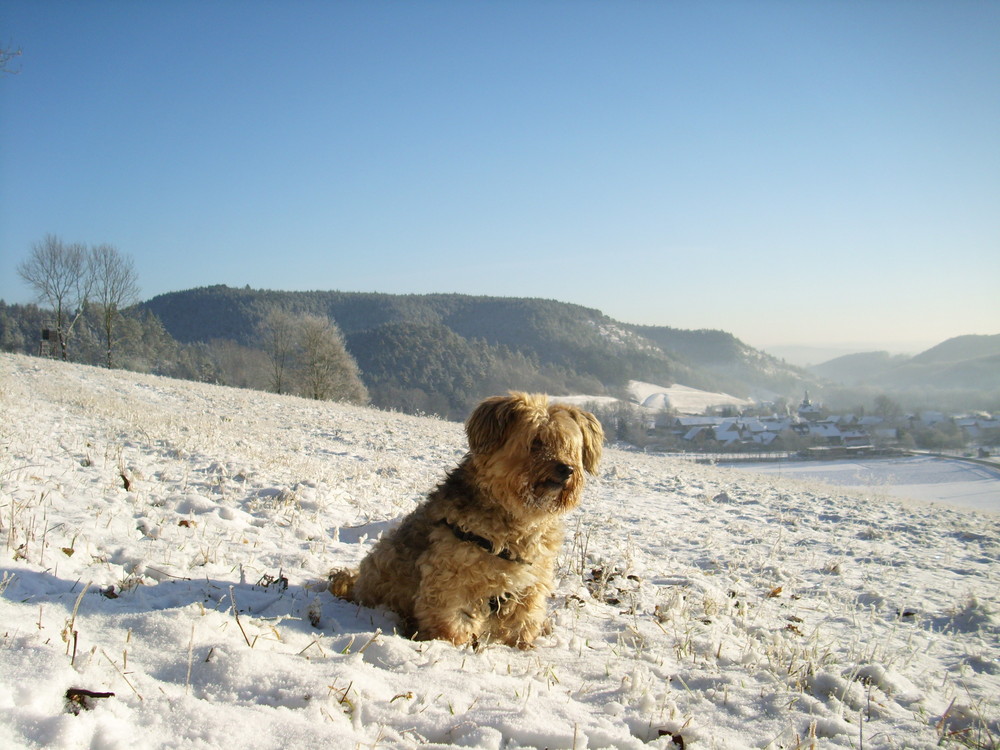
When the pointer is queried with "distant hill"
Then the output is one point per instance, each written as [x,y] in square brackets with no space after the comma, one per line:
[852,369]
[969,363]
[725,363]
[960,349]
[442,352]
[980,373]
[808,356]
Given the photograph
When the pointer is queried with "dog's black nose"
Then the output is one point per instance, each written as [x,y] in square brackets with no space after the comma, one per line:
[564,471]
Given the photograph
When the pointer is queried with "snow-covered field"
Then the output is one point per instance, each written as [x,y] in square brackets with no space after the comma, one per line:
[162,541]
[655,398]
[681,398]
[924,478]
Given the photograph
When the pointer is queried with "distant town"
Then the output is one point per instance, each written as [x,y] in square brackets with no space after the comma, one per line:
[810,429]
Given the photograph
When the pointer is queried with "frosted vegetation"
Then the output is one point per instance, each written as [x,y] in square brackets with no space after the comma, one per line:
[166,542]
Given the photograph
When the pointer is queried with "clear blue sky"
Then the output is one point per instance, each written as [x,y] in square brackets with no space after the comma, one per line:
[791,172]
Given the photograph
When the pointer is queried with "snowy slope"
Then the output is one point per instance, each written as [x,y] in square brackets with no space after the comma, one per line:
[717,608]
[681,398]
[655,398]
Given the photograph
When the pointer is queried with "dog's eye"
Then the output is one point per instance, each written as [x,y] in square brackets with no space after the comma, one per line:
[537,446]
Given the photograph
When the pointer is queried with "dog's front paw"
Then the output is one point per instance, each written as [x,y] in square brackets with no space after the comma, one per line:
[457,636]
[341,583]
[458,626]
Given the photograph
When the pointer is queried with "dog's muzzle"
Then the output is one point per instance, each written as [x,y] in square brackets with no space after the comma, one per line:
[563,472]
[560,475]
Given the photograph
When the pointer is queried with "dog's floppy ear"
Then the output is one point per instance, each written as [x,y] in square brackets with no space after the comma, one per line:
[487,426]
[593,439]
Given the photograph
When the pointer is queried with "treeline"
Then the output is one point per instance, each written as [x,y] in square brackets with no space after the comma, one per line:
[315,361]
[74,279]
[91,293]
[142,343]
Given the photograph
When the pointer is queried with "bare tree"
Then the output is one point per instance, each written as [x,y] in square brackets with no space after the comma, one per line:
[326,370]
[6,55]
[115,286]
[886,408]
[277,333]
[60,276]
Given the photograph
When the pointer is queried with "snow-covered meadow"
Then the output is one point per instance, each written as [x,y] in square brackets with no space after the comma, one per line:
[166,542]
[952,481]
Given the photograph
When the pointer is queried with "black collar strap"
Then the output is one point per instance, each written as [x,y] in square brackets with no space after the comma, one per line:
[467,536]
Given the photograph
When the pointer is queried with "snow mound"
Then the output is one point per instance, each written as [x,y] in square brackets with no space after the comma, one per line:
[164,545]
[680,398]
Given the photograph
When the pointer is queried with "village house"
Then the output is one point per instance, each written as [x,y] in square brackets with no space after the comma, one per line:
[707,432]
[977,427]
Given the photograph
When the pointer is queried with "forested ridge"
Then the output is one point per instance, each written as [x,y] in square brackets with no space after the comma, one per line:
[440,353]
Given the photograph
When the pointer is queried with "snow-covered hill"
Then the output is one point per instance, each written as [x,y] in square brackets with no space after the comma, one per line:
[161,541]
[681,398]
[655,398]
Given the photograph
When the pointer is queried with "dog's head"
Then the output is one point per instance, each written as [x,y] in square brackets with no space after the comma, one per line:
[530,454]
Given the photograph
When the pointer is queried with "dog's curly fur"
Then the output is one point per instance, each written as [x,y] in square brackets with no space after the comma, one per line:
[474,562]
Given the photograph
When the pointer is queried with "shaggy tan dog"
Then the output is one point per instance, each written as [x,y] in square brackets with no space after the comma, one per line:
[473,563]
